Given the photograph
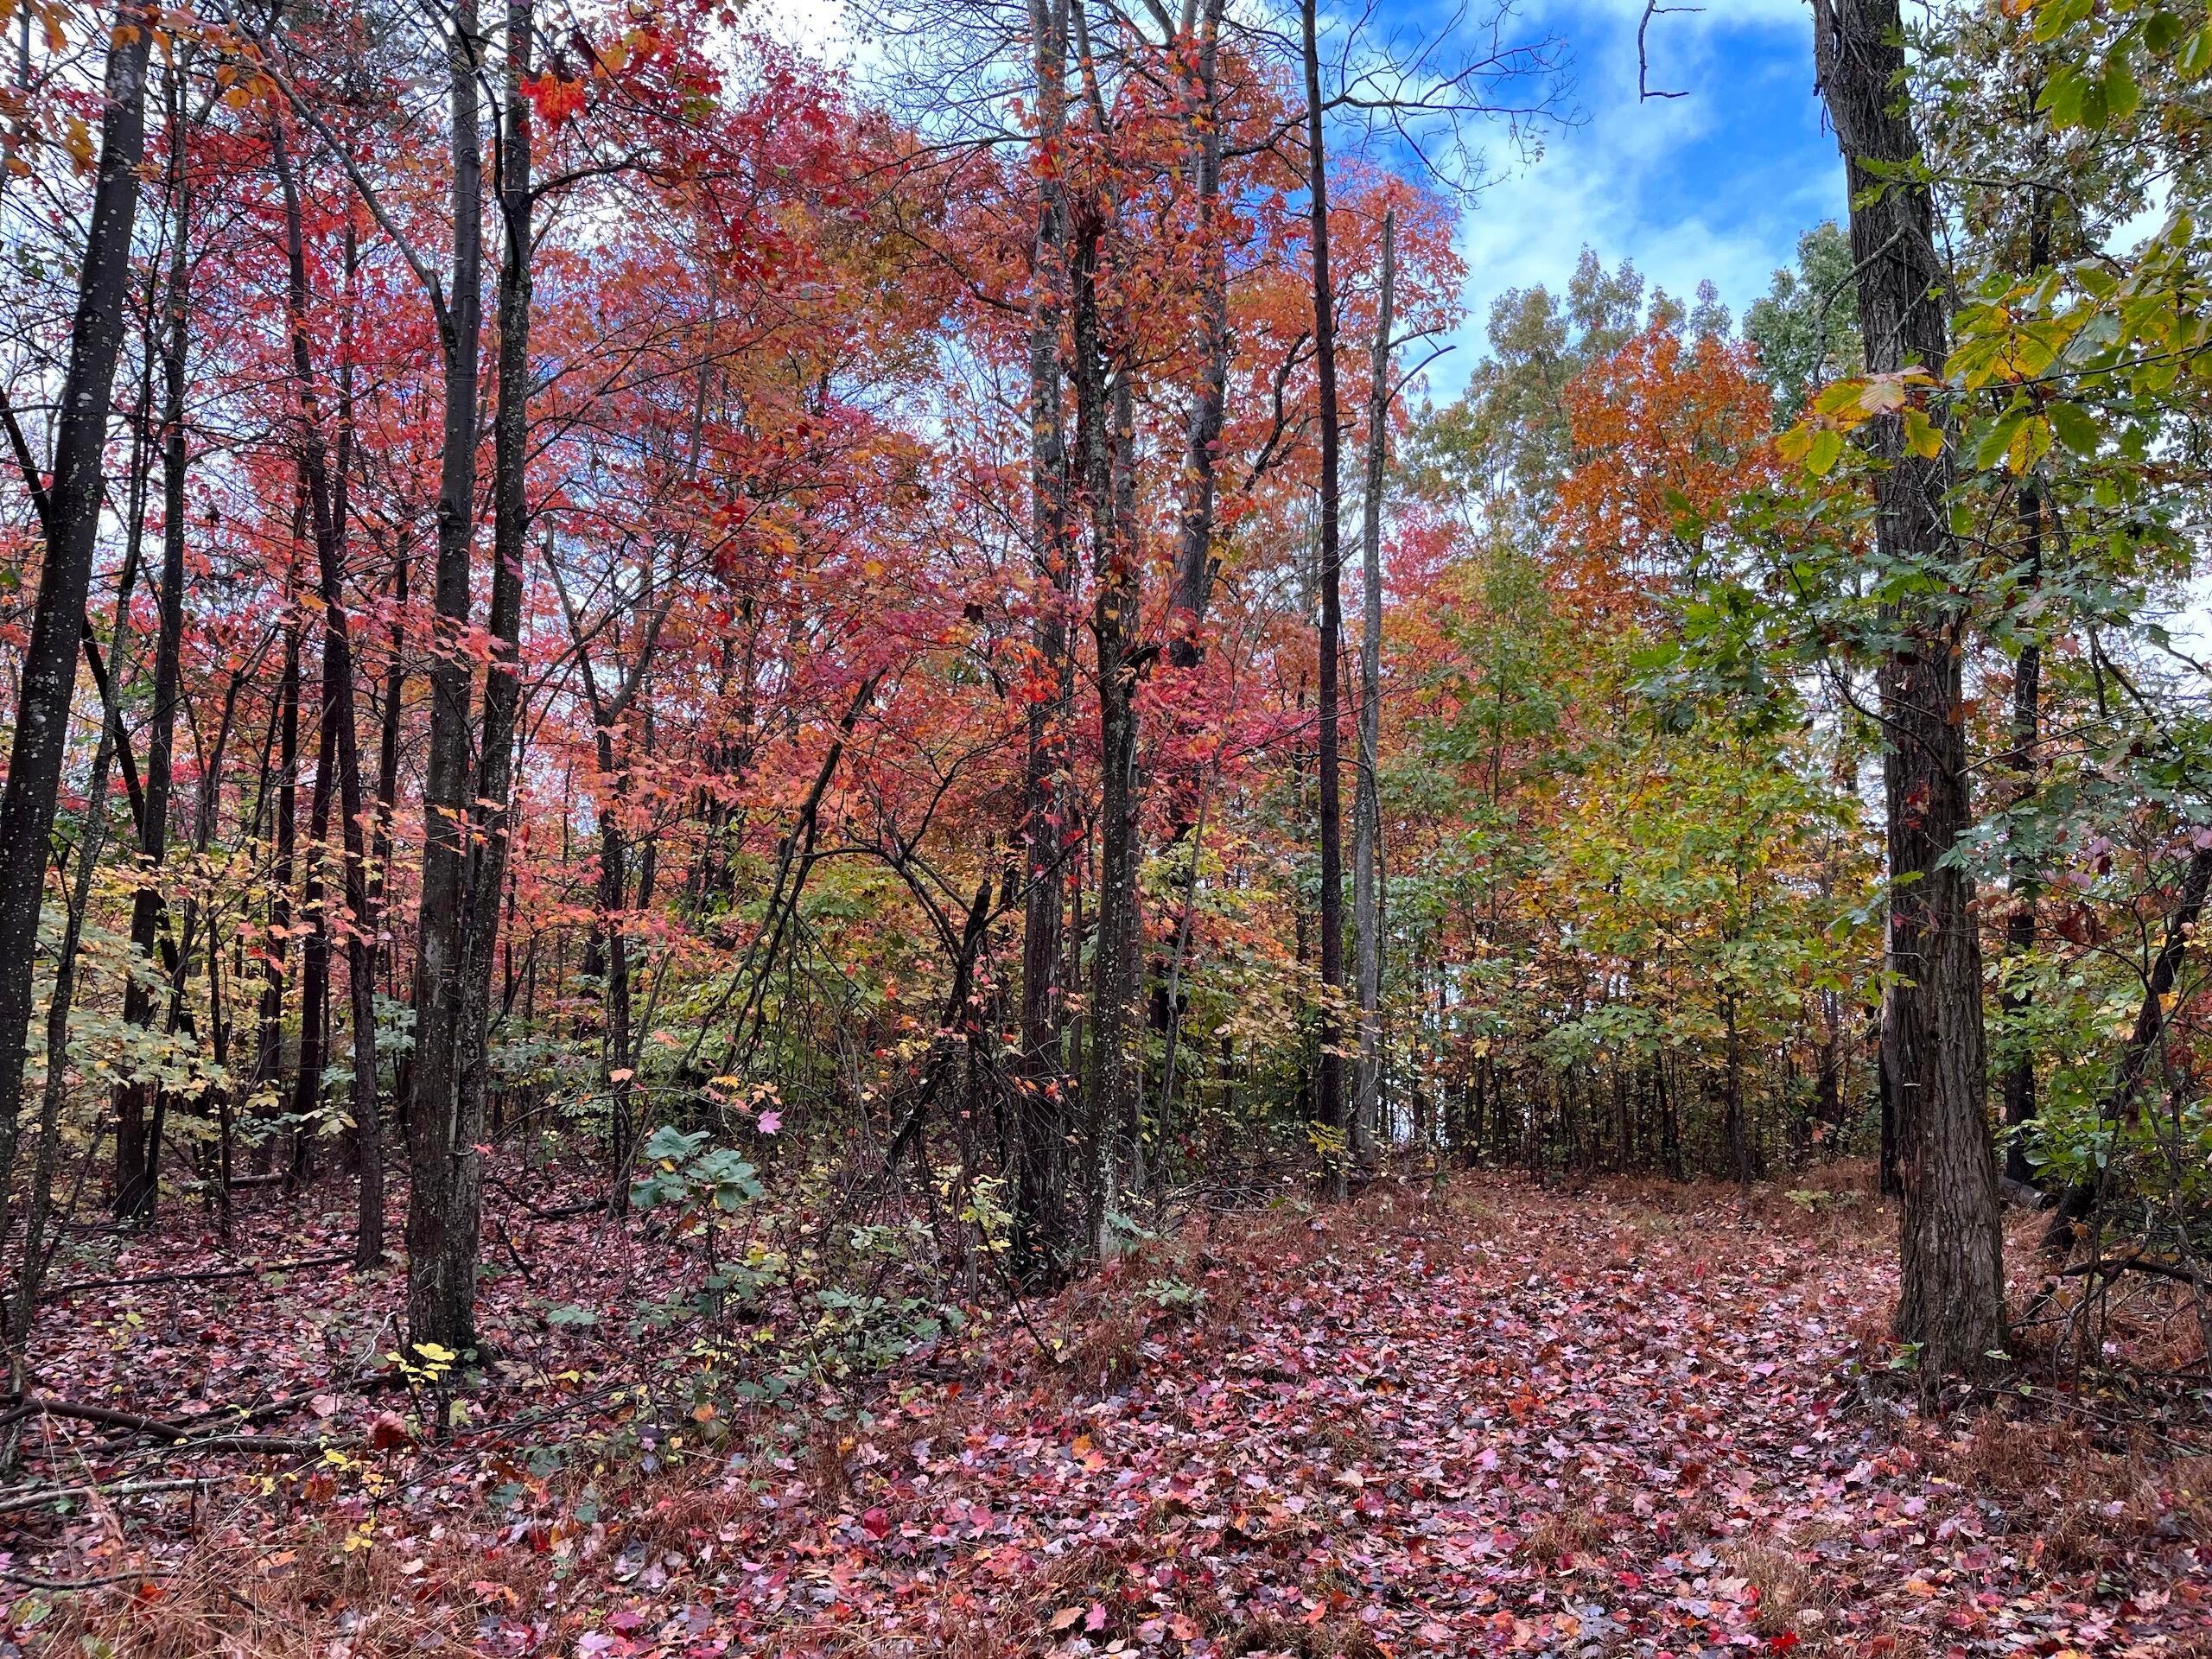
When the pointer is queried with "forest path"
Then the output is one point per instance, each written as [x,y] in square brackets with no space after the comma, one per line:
[1491,1417]
[1520,1421]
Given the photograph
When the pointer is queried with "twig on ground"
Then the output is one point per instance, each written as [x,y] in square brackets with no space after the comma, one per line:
[202,1276]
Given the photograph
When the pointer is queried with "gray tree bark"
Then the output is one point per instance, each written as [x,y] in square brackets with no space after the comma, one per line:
[1952,1301]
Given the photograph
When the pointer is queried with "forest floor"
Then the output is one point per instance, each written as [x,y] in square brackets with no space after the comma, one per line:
[1488,1416]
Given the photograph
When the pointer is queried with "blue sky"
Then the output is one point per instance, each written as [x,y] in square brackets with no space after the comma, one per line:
[1718,183]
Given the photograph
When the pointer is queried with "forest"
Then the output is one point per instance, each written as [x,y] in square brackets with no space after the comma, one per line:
[934,853]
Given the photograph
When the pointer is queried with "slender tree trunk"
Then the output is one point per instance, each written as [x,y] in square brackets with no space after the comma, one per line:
[511,529]
[71,522]
[1100,413]
[2021,875]
[315,949]
[1191,587]
[614,1038]
[30,1272]
[135,1156]
[1367,810]
[2022,880]
[445,1188]
[1041,1222]
[1195,562]
[268,1061]
[1953,1281]
[341,742]
[1331,1084]
[395,695]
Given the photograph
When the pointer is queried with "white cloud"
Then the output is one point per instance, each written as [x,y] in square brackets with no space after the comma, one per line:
[1717,183]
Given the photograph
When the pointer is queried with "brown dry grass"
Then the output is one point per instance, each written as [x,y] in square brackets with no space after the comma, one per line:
[2095,1497]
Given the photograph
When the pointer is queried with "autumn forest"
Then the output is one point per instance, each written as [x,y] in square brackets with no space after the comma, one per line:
[898,854]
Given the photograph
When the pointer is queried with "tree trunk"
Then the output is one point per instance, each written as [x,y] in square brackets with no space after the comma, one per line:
[1953,1281]
[444,1195]
[2021,880]
[135,1154]
[269,1058]
[2021,877]
[71,526]
[341,742]
[511,527]
[1041,1222]
[1330,1108]
[38,1213]
[315,949]
[1367,809]
[1194,556]
[1100,434]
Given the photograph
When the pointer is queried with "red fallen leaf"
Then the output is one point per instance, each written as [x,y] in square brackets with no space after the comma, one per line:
[1783,1643]
[876,1523]
[1096,1619]
[387,1432]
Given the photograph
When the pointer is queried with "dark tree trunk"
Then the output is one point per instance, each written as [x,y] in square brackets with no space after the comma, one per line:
[1195,561]
[136,1111]
[269,1062]
[1367,804]
[2022,877]
[1042,1241]
[71,526]
[1103,436]
[1330,1108]
[1953,1281]
[511,526]
[445,1186]
[315,949]
[341,743]
[393,702]
[614,1037]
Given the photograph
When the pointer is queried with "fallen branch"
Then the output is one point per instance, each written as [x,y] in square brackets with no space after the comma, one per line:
[125,1489]
[181,1437]
[2113,1264]
[31,1583]
[559,1212]
[201,1275]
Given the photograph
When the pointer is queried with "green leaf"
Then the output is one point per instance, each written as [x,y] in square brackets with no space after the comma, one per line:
[2122,96]
[1998,440]
[2056,18]
[2096,110]
[1922,436]
[669,1144]
[2194,58]
[2062,99]
[1826,450]
[2075,427]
